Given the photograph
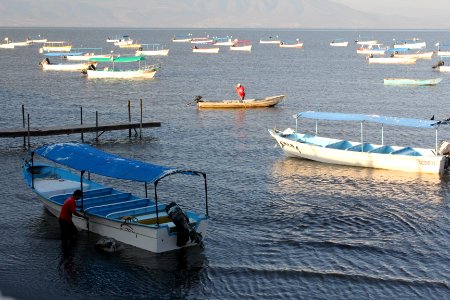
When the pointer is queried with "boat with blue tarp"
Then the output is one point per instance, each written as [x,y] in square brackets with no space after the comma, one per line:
[363,153]
[143,222]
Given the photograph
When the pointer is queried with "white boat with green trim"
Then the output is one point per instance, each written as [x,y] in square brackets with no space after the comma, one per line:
[363,153]
[142,71]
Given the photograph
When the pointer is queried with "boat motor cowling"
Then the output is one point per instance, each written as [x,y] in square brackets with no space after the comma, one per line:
[184,229]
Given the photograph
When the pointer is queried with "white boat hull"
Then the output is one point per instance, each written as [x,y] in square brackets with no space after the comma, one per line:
[56,48]
[66,67]
[339,44]
[206,50]
[241,48]
[163,52]
[424,55]
[6,46]
[126,74]
[444,69]
[392,60]
[84,57]
[298,45]
[412,45]
[269,42]
[427,163]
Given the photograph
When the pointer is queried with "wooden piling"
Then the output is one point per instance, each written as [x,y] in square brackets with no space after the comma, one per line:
[96,125]
[81,120]
[140,127]
[28,118]
[23,124]
[129,117]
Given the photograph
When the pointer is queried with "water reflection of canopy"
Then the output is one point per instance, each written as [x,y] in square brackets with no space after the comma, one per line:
[83,157]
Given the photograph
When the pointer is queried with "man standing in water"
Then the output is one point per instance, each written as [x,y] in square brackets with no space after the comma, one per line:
[68,230]
[240,90]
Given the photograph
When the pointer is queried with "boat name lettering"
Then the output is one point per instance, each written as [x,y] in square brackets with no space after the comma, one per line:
[283,143]
[126,227]
[427,163]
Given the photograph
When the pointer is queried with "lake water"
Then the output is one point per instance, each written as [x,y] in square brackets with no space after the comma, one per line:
[280,228]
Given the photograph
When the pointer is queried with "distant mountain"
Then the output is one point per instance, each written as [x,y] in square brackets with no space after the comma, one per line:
[321,14]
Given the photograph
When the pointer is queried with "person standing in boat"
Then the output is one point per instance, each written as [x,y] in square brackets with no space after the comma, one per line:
[68,230]
[240,90]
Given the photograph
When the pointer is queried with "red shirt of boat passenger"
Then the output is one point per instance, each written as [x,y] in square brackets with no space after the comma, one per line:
[68,209]
[240,91]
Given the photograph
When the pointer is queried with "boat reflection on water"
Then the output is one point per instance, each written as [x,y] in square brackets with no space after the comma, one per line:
[293,176]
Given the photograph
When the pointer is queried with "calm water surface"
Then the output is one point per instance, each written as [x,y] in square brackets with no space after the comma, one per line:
[279,227]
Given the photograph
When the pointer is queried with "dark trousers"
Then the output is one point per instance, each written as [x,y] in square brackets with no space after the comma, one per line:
[68,230]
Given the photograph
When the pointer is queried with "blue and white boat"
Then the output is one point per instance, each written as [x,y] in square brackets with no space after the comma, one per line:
[412,81]
[139,221]
[362,153]
[414,43]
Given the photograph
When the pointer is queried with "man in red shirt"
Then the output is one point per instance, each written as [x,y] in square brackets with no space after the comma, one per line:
[68,230]
[240,90]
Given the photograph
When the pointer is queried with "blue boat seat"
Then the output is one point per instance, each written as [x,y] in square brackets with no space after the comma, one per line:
[407,151]
[107,209]
[106,199]
[340,145]
[86,194]
[136,211]
[382,150]
[366,147]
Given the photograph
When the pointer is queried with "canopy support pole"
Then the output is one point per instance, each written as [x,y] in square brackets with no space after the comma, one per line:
[296,124]
[317,130]
[81,188]
[145,185]
[436,142]
[206,194]
[382,135]
[156,202]
[32,169]
[362,137]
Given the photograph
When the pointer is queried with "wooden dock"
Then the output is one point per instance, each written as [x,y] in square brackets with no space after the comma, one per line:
[71,129]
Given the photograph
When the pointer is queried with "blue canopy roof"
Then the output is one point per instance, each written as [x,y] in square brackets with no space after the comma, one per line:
[83,157]
[370,118]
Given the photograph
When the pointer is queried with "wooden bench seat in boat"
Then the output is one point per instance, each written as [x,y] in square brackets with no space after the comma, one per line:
[366,147]
[406,151]
[382,150]
[342,145]
[107,209]
[60,198]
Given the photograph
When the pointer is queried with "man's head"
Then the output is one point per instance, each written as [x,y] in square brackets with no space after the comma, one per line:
[77,194]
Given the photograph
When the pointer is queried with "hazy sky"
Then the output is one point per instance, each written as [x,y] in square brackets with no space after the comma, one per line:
[415,8]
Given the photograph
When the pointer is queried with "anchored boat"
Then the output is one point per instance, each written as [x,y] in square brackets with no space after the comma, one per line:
[362,153]
[138,221]
[248,103]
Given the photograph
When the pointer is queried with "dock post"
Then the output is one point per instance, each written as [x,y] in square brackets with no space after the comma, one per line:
[23,124]
[96,125]
[129,117]
[28,117]
[140,125]
[81,118]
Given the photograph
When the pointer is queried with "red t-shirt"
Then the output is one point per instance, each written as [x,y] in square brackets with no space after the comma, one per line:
[240,91]
[67,209]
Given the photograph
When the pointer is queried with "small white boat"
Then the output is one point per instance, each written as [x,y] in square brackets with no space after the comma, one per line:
[143,221]
[140,72]
[339,43]
[48,66]
[365,42]
[412,81]
[38,40]
[241,46]
[131,46]
[414,43]
[362,153]
[6,44]
[202,40]
[416,54]
[291,44]
[152,50]
[83,54]
[205,49]
[224,41]
[270,40]
[182,38]
[371,49]
[125,40]
[22,44]
[56,46]
[392,60]
[443,65]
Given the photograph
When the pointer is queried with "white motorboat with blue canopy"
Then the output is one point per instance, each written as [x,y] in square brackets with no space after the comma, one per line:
[139,221]
[414,43]
[152,50]
[411,81]
[413,53]
[143,70]
[362,153]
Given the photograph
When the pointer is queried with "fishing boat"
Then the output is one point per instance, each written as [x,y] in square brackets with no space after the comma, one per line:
[371,49]
[414,53]
[133,46]
[443,65]
[411,81]
[113,71]
[339,43]
[49,66]
[135,220]
[248,103]
[223,41]
[152,50]
[242,45]
[362,153]
[123,41]
[84,54]
[413,43]
[291,44]
[38,39]
[56,46]
[201,40]
[7,44]
[365,41]
[182,38]
[205,49]
[270,40]
[392,60]
[443,49]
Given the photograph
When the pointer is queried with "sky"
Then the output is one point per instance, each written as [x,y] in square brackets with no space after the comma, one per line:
[414,8]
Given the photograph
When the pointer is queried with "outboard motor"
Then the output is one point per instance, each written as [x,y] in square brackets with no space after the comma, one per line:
[45,61]
[92,67]
[438,64]
[198,99]
[184,229]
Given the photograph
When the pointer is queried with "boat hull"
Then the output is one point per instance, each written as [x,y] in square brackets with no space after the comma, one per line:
[410,81]
[126,74]
[339,44]
[426,163]
[206,50]
[66,67]
[241,48]
[250,103]
[392,60]
[164,52]
[298,45]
